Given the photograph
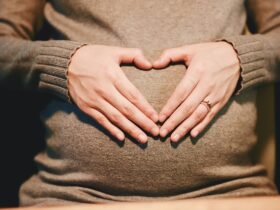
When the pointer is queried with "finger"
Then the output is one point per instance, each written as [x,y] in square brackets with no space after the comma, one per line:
[198,115]
[131,112]
[136,56]
[128,90]
[181,92]
[122,122]
[217,106]
[171,55]
[185,109]
[208,118]
[103,121]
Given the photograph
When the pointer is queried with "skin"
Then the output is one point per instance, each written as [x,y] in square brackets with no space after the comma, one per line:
[100,89]
[213,70]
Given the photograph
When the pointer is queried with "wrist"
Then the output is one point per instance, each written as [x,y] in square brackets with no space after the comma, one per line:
[75,56]
[71,62]
[236,62]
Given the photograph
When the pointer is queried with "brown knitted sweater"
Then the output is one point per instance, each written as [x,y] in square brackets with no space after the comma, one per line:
[82,163]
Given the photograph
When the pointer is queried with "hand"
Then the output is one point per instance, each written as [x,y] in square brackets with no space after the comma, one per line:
[99,87]
[212,75]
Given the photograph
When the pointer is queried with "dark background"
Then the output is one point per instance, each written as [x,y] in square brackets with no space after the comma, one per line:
[21,137]
[277,128]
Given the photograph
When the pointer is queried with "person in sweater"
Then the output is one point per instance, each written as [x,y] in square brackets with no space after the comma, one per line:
[115,69]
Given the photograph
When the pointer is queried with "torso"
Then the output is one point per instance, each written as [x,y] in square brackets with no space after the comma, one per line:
[81,153]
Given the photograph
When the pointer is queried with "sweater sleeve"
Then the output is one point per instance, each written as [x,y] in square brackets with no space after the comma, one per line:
[259,53]
[27,64]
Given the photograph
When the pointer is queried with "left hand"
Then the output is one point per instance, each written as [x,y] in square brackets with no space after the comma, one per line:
[212,75]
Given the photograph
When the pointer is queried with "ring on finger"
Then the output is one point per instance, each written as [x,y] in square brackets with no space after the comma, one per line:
[207,104]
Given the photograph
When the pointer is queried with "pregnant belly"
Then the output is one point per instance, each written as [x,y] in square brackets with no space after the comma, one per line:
[81,152]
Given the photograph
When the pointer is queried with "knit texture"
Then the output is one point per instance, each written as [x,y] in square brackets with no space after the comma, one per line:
[82,162]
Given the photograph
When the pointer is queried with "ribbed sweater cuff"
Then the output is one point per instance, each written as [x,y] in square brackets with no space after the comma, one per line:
[250,52]
[51,62]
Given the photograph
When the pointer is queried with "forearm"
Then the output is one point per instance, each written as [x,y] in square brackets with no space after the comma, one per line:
[35,65]
[259,56]
[259,52]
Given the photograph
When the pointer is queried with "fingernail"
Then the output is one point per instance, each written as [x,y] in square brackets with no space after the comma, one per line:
[163,132]
[162,118]
[143,138]
[155,117]
[155,131]
[148,64]
[120,136]
[175,137]
[194,133]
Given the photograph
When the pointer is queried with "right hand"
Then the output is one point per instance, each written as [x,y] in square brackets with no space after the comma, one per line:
[99,87]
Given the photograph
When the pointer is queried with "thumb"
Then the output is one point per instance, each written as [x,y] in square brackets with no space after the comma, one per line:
[136,56]
[170,56]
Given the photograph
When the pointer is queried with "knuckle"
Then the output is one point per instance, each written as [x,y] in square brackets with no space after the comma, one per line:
[200,114]
[164,112]
[224,101]
[212,114]
[117,118]
[81,104]
[200,67]
[92,101]
[206,83]
[196,117]
[117,81]
[219,98]
[113,77]
[100,90]
[133,97]
[185,55]
[187,108]
[150,128]
[171,123]
[191,79]
[151,113]
[100,119]
[211,84]
[127,110]
[132,131]
[178,97]
[183,129]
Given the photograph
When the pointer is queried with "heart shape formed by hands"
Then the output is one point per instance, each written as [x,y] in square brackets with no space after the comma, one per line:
[100,88]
